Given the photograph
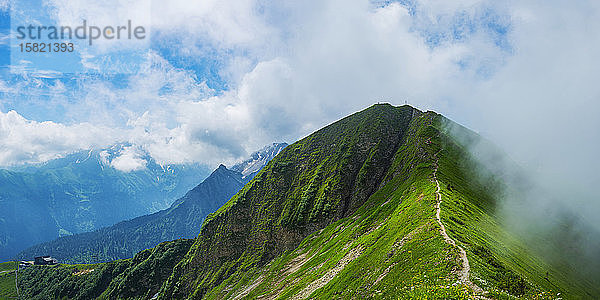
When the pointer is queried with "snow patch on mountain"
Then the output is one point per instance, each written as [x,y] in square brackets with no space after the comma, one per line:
[258,159]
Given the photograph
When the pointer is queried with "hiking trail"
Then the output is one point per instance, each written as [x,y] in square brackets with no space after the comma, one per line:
[463,274]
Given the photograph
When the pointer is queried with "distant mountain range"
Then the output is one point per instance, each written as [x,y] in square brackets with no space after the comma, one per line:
[85,191]
[182,220]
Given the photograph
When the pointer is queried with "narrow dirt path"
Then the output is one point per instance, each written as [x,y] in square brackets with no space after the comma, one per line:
[463,274]
[327,277]
[249,288]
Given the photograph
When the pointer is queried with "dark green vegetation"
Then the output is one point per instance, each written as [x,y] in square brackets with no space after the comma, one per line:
[7,266]
[349,212]
[8,289]
[7,285]
[139,276]
[82,192]
[182,220]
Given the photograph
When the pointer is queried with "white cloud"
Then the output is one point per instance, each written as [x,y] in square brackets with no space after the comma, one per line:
[191,29]
[111,13]
[25,141]
[227,24]
[129,159]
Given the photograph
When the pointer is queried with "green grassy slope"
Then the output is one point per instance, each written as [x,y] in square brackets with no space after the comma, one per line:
[7,286]
[310,184]
[346,213]
[138,277]
[7,266]
[379,250]
[498,258]
[8,289]
[391,247]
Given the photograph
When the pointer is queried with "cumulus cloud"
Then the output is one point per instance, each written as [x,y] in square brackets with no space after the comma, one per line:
[111,13]
[26,141]
[236,33]
[129,159]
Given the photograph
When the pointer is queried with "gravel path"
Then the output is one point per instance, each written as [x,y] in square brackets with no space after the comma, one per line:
[463,274]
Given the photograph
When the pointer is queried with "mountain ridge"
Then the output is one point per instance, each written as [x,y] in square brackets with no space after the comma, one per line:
[347,212]
[360,143]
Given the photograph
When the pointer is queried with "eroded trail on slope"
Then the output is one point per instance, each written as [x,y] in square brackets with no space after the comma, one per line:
[463,274]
